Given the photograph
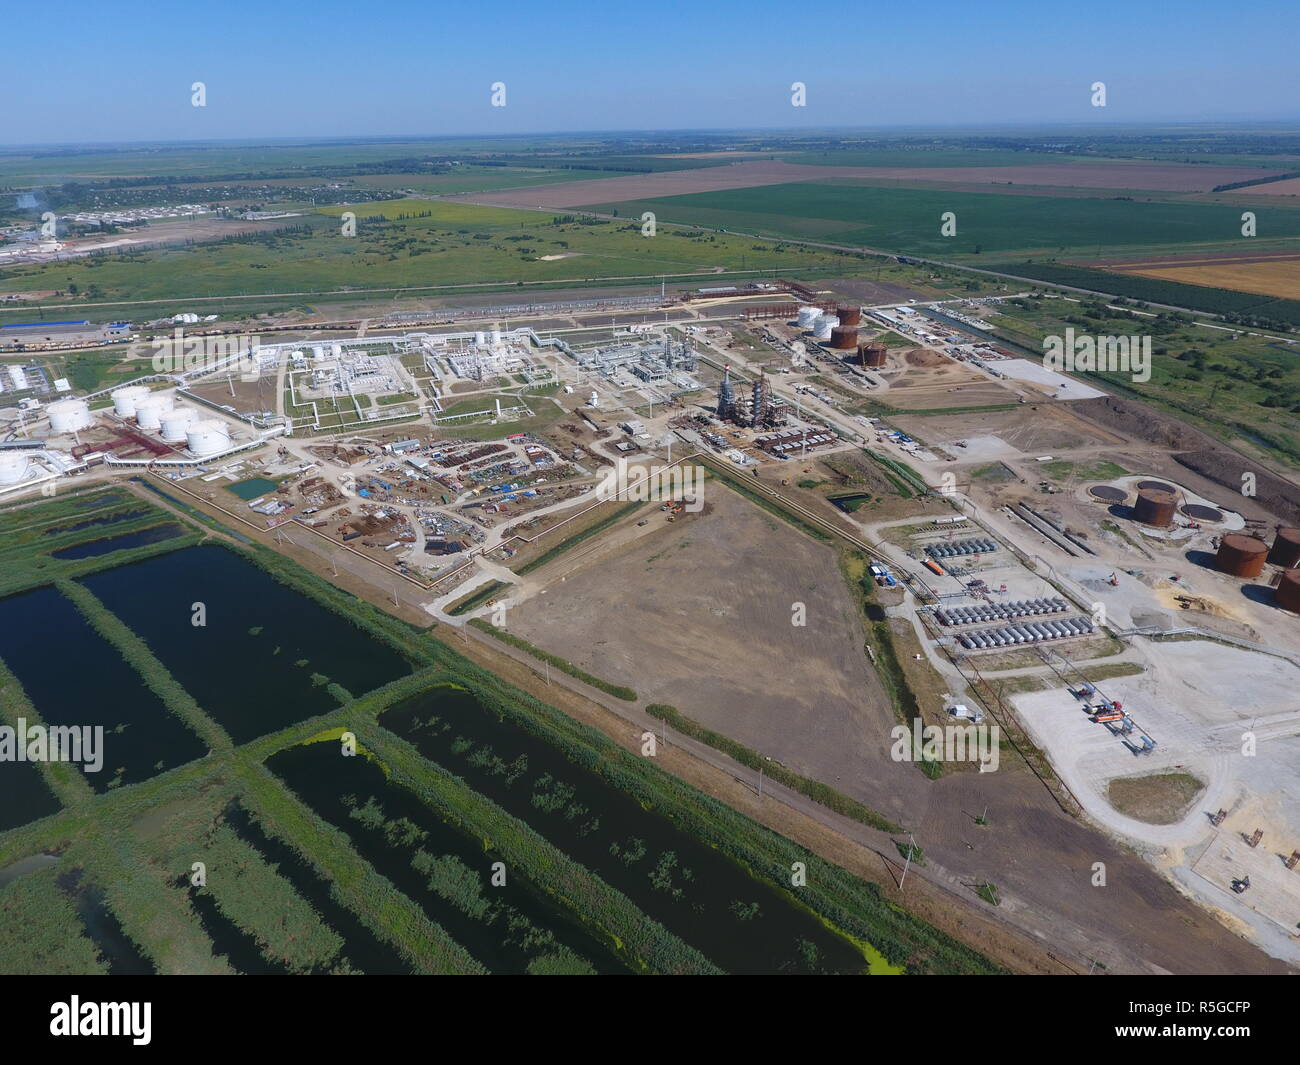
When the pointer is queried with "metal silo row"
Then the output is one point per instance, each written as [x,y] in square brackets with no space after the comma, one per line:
[1026,632]
[1020,608]
[961,547]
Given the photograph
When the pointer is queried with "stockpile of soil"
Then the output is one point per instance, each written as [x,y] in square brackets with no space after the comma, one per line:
[1226,467]
[1198,451]
[1142,422]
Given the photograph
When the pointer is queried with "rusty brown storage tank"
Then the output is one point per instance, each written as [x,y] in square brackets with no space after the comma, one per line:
[1155,507]
[1287,595]
[849,315]
[1241,555]
[844,337]
[873,354]
[1286,548]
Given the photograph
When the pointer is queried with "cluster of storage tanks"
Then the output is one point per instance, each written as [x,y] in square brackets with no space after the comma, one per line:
[1026,632]
[1244,556]
[1020,608]
[961,547]
[840,328]
[158,413]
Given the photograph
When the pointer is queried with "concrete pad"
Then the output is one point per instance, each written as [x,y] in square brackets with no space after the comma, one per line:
[1035,373]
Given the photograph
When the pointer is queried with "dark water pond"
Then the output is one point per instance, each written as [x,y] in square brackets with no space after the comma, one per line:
[264,654]
[75,677]
[155,534]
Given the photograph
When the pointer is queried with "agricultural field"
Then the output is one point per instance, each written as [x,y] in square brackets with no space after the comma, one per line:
[274,852]
[908,220]
[1268,274]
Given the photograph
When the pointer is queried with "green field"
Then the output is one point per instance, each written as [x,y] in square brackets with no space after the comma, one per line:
[438,244]
[908,221]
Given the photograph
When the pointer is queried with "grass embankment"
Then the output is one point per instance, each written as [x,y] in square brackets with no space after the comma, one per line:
[737,484]
[476,598]
[41,933]
[813,789]
[573,541]
[562,664]
[354,884]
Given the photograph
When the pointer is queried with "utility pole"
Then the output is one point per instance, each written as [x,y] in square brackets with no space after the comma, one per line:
[911,846]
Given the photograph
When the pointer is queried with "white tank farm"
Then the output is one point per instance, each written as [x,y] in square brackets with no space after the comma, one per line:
[149,412]
[808,316]
[69,416]
[125,399]
[13,468]
[175,422]
[207,437]
[824,325]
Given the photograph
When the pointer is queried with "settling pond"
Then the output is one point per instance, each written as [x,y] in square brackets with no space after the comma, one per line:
[265,653]
[740,922]
[75,677]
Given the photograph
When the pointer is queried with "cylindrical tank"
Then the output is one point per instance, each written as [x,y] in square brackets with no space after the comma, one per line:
[17,378]
[873,355]
[1155,507]
[844,337]
[1285,551]
[69,416]
[149,412]
[1241,556]
[496,338]
[13,467]
[823,326]
[207,437]
[175,422]
[125,399]
[1287,595]
[849,315]
[808,316]
[480,339]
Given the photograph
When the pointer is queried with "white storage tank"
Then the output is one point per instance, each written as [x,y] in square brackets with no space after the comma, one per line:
[808,316]
[207,437]
[175,422]
[823,326]
[496,338]
[69,416]
[125,399]
[17,378]
[149,412]
[480,340]
[13,467]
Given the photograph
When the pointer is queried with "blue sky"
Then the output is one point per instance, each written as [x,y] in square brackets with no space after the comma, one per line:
[78,71]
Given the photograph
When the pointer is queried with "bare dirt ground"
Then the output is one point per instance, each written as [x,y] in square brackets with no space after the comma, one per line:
[1167,177]
[679,617]
[1035,430]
